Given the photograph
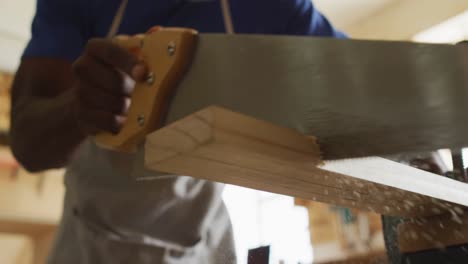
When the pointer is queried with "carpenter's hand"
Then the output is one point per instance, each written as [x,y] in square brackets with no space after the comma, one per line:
[106,75]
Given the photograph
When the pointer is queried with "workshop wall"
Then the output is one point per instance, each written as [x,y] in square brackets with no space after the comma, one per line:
[30,204]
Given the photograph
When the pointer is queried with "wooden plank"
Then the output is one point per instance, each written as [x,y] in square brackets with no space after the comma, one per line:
[223,146]
[389,173]
[24,226]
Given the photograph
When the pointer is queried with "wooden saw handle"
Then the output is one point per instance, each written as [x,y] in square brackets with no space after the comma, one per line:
[167,53]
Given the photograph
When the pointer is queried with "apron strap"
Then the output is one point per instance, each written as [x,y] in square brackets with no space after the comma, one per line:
[228,25]
[117,19]
[225,7]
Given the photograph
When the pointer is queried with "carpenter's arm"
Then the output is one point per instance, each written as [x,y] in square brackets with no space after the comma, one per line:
[67,88]
[56,105]
[44,132]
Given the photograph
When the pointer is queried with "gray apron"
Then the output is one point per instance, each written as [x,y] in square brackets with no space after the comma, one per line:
[111,217]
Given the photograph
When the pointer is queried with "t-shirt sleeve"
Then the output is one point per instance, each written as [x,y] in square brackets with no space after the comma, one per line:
[307,20]
[57,30]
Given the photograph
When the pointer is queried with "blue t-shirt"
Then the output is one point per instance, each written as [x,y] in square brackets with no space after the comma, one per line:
[61,28]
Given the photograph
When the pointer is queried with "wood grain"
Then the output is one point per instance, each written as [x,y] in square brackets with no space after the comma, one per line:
[220,145]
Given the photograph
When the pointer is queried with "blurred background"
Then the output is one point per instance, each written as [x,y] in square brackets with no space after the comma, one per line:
[297,231]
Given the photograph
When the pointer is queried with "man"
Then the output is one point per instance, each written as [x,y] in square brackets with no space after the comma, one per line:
[73,83]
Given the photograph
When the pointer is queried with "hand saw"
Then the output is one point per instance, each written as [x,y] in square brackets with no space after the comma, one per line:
[358,98]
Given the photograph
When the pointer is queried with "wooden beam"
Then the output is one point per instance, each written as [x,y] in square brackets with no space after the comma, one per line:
[404,19]
[390,173]
[28,227]
[219,145]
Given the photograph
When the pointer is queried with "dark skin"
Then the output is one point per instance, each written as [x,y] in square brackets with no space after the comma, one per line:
[56,105]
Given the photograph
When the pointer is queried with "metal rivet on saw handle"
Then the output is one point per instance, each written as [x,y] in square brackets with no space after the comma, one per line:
[171,48]
[141,120]
[150,78]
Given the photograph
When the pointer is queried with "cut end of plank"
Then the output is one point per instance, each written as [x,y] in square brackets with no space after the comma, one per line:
[181,137]
[397,175]
[222,125]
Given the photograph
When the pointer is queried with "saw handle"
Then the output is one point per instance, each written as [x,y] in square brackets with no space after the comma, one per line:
[167,53]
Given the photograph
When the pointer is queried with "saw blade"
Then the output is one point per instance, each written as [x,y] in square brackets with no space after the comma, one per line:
[359,98]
